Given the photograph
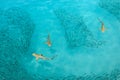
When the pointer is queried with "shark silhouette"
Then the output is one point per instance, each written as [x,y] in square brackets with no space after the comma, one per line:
[48,41]
[102,26]
[40,56]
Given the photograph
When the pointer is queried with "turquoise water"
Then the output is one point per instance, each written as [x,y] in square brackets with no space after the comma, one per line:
[83,51]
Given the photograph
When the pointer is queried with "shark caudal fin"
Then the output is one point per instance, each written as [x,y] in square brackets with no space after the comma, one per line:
[54,57]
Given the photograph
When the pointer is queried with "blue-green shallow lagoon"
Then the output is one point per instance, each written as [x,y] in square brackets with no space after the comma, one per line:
[83,51]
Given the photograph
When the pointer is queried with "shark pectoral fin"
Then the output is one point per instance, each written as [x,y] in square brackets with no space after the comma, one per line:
[100,29]
[106,28]
[37,58]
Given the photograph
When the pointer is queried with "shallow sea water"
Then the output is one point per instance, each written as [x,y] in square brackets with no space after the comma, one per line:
[83,51]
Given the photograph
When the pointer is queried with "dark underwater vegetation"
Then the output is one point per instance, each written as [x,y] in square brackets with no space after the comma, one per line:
[83,53]
[16,29]
[112,6]
[75,26]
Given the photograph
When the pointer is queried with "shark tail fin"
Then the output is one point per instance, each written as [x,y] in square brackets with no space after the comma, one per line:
[54,57]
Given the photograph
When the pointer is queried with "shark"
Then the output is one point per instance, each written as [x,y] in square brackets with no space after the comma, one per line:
[48,41]
[40,56]
[102,26]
